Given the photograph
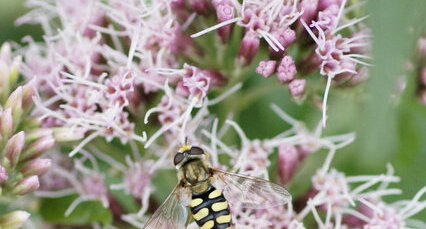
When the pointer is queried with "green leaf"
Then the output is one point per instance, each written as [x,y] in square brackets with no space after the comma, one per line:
[53,211]
[394,38]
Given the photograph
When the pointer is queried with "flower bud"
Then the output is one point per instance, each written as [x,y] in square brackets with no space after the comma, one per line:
[38,148]
[285,36]
[14,102]
[3,175]
[14,220]
[37,167]
[5,52]
[249,46]
[35,134]
[6,123]
[202,7]
[288,162]
[14,148]
[181,89]
[177,5]
[224,12]
[355,222]
[297,87]
[27,185]
[8,71]
[179,9]
[8,76]
[28,91]
[286,71]
[310,9]
[64,134]
[216,78]
[324,4]
[266,68]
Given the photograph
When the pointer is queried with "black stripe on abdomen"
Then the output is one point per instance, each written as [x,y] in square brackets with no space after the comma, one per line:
[210,209]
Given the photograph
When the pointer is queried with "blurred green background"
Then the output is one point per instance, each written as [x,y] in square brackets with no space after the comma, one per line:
[388,129]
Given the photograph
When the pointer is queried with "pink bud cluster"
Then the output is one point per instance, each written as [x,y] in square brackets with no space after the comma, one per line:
[22,141]
[112,65]
[279,23]
[337,56]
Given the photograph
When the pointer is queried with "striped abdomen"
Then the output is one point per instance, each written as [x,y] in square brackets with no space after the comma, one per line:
[210,209]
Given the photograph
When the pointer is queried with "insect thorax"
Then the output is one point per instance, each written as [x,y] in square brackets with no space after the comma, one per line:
[196,174]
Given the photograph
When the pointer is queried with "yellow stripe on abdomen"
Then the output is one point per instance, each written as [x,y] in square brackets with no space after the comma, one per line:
[201,214]
[223,219]
[220,206]
[208,225]
[214,194]
[195,202]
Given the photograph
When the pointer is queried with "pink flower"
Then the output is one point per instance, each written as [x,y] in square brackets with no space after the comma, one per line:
[224,12]
[286,70]
[119,88]
[266,68]
[94,187]
[286,36]
[336,53]
[309,8]
[387,218]
[288,162]
[297,88]
[27,185]
[249,46]
[137,180]
[197,83]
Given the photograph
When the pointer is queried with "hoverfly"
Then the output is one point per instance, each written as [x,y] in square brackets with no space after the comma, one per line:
[209,206]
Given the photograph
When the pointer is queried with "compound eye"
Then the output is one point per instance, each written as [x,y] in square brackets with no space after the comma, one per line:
[196,151]
[178,158]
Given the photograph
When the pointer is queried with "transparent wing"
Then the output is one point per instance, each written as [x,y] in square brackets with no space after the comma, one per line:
[251,192]
[171,214]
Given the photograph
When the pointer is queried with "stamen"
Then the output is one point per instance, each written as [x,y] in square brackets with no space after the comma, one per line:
[284,116]
[240,132]
[324,103]
[167,71]
[188,21]
[55,194]
[74,205]
[220,25]
[351,23]
[310,32]
[371,205]
[133,45]
[404,212]
[83,143]
[268,40]
[339,15]
[225,95]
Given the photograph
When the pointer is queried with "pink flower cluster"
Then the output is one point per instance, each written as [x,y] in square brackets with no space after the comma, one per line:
[279,23]
[21,145]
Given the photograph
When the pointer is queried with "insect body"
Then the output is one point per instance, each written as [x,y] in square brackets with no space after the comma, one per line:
[210,209]
[209,205]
